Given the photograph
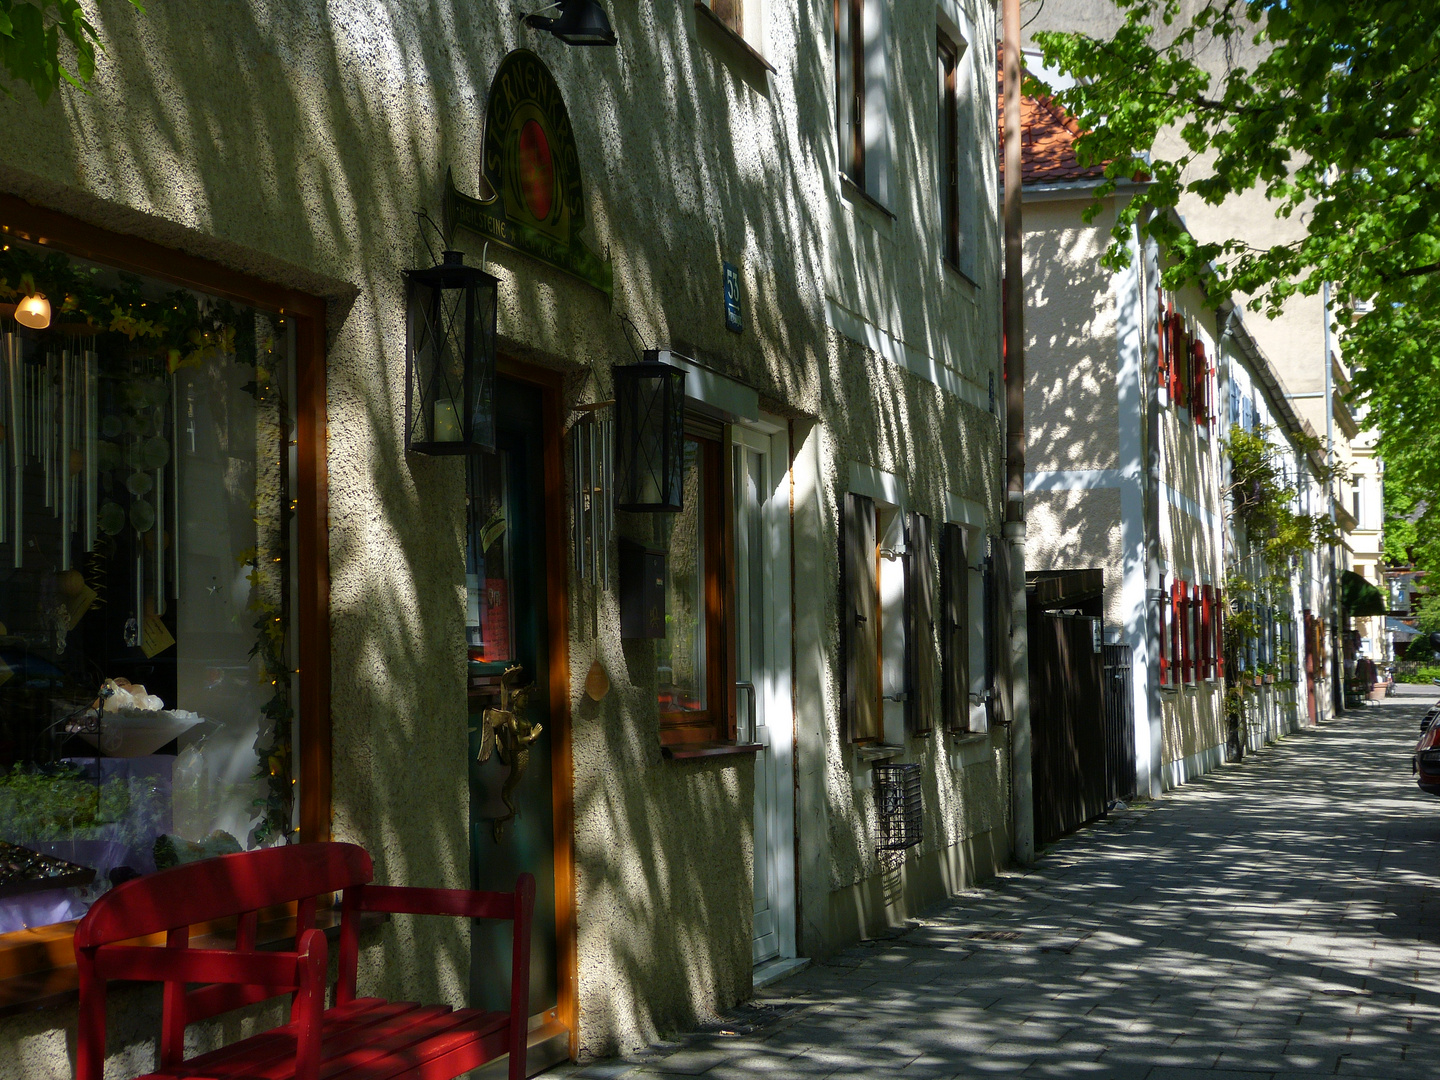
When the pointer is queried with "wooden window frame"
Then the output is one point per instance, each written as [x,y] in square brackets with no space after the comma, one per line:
[1165,657]
[852,162]
[26,954]
[714,725]
[948,142]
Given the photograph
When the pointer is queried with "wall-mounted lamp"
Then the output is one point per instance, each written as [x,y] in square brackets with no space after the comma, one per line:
[33,311]
[450,358]
[580,22]
[649,435]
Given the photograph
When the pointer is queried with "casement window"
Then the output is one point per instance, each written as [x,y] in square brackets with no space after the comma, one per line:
[861,96]
[995,636]
[694,658]
[1200,406]
[1166,653]
[1219,623]
[947,139]
[860,618]
[922,674]
[955,635]
[1185,615]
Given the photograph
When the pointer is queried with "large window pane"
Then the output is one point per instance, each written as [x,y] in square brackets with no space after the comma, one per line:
[681,653]
[146,519]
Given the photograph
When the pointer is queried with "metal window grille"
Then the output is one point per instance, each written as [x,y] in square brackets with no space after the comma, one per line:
[897,798]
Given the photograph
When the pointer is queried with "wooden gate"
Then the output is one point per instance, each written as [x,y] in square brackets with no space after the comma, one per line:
[1067,722]
[1119,725]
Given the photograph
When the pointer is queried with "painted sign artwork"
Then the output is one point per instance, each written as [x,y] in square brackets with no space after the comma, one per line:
[531,197]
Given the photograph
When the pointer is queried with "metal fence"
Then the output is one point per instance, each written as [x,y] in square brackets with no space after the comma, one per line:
[1119,725]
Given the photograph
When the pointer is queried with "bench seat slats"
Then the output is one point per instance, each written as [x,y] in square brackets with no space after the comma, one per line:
[261,1050]
[368,1046]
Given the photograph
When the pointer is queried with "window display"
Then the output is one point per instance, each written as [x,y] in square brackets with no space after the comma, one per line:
[146,520]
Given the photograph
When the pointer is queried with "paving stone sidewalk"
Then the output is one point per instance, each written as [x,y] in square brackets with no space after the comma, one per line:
[1276,919]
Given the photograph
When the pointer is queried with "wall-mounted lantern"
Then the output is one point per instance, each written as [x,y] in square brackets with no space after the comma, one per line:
[649,435]
[580,22]
[450,358]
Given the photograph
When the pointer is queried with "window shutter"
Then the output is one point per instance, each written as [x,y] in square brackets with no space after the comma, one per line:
[874,91]
[1187,645]
[860,634]
[997,635]
[955,626]
[920,624]
[1219,617]
[1205,669]
[1200,378]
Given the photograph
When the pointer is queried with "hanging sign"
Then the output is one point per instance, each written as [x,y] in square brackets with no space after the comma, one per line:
[731,277]
[531,198]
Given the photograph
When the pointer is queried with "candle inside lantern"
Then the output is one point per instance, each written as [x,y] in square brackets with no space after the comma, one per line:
[447,421]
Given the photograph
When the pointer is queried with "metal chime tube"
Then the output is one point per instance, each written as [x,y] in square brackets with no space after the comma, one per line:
[16,376]
[139,585]
[47,427]
[159,531]
[175,484]
[607,504]
[91,421]
[577,497]
[67,521]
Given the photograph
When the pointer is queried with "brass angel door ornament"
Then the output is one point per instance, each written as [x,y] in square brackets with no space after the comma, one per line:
[507,733]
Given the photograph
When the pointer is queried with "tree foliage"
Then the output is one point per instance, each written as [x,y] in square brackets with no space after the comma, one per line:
[1335,121]
[32,34]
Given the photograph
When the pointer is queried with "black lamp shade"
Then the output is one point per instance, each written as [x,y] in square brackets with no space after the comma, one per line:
[450,359]
[580,22]
[649,435]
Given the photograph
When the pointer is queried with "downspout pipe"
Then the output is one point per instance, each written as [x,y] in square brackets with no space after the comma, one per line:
[1149,257]
[1337,665]
[1022,807]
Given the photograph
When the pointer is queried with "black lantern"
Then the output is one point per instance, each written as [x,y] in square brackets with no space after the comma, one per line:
[649,435]
[580,22]
[450,359]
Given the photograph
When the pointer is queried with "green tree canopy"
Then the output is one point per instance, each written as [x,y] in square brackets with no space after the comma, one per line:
[32,35]
[1335,121]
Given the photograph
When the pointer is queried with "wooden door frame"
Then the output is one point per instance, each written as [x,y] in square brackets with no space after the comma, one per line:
[550,383]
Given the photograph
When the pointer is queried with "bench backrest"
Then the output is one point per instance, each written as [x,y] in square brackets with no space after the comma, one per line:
[226,885]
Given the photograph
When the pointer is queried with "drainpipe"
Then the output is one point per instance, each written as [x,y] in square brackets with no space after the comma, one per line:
[1337,683]
[1022,807]
[1149,257]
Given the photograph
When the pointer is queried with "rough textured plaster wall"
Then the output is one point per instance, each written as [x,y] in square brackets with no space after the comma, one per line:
[1072,411]
[294,141]
[1078,530]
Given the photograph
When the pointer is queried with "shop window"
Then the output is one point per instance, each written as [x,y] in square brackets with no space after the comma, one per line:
[149,484]
[861,106]
[488,576]
[692,657]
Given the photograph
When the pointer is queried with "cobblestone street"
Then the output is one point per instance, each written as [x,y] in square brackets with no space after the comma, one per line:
[1274,919]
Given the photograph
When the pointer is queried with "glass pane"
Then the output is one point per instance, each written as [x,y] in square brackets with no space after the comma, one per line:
[681,653]
[146,519]
[487,561]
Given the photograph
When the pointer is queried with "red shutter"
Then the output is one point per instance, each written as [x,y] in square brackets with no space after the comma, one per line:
[1164,636]
[1163,335]
[1177,638]
[1177,347]
[1219,634]
[1200,381]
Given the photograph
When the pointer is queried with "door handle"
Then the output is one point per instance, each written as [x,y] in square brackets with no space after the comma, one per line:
[750,686]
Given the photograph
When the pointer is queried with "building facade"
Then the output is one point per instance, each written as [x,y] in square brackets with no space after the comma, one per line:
[210,493]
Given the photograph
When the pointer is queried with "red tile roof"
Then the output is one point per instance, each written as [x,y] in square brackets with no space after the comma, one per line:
[1047,142]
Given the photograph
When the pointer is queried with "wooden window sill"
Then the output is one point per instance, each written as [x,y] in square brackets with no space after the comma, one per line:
[693,750]
[856,192]
[738,40]
[58,986]
[878,752]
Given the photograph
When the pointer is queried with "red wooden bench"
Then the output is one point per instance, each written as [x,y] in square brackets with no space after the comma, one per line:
[355,1039]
